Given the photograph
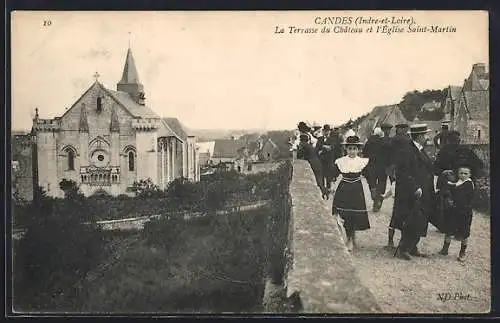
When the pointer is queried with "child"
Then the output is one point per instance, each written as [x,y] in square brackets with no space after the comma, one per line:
[306,151]
[462,193]
[349,198]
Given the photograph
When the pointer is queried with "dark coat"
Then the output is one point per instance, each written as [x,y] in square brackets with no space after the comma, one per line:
[451,155]
[375,150]
[414,170]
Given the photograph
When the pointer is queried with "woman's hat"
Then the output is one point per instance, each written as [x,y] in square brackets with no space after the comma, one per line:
[419,128]
[352,141]
[386,125]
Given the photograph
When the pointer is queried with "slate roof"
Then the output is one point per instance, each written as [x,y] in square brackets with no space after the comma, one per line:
[136,109]
[130,75]
[227,148]
[175,125]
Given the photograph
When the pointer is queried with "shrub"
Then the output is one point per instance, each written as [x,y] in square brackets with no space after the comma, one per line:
[56,251]
[146,188]
[482,201]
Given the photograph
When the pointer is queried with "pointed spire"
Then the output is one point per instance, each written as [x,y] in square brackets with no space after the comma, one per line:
[84,125]
[130,75]
[115,124]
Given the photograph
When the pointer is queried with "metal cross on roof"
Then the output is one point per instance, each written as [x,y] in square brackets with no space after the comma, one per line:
[96,76]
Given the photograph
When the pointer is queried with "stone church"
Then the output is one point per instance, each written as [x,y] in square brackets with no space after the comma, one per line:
[109,139]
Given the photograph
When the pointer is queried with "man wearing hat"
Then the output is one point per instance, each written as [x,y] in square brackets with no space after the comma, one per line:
[441,139]
[414,201]
[325,151]
[399,142]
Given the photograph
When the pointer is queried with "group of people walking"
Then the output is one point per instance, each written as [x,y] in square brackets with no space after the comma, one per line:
[404,161]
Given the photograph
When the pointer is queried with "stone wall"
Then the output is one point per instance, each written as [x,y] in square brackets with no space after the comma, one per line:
[320,276]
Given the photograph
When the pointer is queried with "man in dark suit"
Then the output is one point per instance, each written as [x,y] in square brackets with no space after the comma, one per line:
[441,139]
[400,141]
[374,150]
[414,201]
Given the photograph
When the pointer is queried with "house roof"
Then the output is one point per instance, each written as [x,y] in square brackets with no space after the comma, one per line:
[381,114]
[477,102]
[227,148]
[272,143]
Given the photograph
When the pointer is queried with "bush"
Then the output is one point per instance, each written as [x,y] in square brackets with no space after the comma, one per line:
[56,251]
[482,200]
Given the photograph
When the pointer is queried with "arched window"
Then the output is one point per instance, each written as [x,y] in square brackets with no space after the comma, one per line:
[71,159]
[99,104]
[131,161]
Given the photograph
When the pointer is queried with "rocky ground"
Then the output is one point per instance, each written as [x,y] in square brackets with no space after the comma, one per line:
[437,284]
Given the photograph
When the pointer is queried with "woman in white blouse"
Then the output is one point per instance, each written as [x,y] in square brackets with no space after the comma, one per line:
[349,198]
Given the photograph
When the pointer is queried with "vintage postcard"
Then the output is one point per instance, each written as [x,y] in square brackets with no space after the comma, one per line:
[251,162]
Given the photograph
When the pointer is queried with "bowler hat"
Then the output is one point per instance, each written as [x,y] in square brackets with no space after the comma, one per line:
[386,125]
[326,127]
[419,128]
[352,141]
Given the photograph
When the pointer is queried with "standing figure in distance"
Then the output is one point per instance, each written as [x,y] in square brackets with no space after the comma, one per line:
[324,149]
[373,150]
[306,151]
[441,139]
[349,198]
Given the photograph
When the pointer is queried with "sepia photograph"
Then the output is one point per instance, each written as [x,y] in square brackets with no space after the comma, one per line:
[250,162]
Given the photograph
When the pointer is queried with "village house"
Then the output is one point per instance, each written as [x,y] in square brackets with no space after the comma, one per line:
[380,114]
[227,151]
[270,151]
[206,150]
[469,112]
[109,139]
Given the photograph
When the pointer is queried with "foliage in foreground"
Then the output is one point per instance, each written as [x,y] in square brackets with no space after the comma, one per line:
[210,264]
[56,251]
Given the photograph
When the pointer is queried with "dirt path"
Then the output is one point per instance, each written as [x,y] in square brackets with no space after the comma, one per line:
[414,286]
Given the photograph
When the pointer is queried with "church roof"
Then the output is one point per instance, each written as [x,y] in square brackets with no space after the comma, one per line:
[130,75]
[175,125]
[133,107]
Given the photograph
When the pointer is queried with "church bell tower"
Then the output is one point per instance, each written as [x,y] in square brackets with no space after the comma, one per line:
[129,82]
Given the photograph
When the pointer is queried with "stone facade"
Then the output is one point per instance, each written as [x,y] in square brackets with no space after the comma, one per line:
[110,139]
[469,109]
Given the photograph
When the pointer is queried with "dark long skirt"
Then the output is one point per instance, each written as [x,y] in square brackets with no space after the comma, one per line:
[443,217]
[349,203]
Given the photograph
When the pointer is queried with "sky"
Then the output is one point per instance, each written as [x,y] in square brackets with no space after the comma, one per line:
[230,70]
